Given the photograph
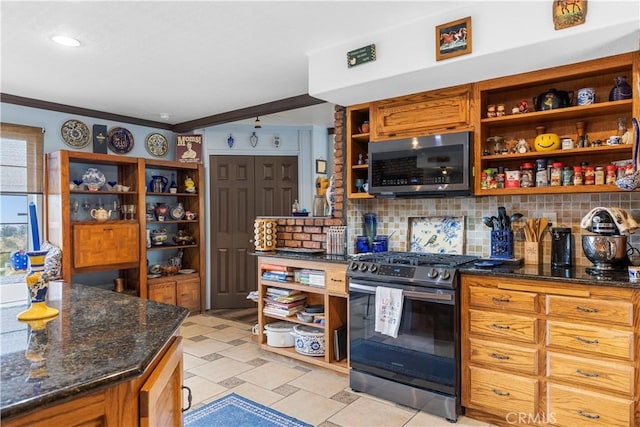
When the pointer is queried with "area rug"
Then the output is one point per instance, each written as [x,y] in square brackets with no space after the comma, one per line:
[236,411]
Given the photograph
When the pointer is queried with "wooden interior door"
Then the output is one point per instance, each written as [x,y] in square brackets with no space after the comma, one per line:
[241,188]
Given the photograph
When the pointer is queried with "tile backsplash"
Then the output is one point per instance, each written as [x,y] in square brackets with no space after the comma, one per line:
[393,217]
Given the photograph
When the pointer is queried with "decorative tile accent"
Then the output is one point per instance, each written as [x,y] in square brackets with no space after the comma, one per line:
[211,357]
[436,234]
[345,397]
[393,217]
[286,389]
[231,382]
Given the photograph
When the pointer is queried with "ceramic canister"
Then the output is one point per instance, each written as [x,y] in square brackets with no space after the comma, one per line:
[586,96]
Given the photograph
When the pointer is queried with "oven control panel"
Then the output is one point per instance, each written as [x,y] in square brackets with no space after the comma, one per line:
[363,269]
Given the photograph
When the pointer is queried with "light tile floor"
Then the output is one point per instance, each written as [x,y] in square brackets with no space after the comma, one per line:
[220,357]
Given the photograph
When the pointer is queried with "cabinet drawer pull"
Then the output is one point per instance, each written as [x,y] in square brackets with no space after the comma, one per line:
[496,326]
[587,374]
[189,397]
[499,356]
[587,310]
[500,300]
[590,416]
[337,280]
[586,341]
[500,393]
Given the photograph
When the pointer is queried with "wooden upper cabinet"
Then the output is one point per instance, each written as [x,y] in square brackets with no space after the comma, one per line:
[422,113]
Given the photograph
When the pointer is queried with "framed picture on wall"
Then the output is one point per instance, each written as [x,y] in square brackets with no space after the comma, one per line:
[453,39]
[321,167]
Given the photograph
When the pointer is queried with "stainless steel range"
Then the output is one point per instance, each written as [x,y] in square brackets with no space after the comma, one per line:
[419,368]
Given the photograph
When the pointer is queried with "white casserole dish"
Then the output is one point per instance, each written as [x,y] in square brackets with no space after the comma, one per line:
[279,334]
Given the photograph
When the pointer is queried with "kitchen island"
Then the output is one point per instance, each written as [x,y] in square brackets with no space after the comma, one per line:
[103,359]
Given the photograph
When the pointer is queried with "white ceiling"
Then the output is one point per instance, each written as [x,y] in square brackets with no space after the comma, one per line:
[188,59]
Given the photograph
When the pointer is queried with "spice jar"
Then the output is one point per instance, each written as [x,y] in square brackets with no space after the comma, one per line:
[599,175]
[589,175]
[629,169]
[567,176]
[577,175]
[500,177]
[526,175]
[611,174]
[556,174]
[620,172]
[542,177]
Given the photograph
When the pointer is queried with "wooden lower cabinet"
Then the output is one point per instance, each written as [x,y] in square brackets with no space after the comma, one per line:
[333,295]
[151,399]
[549,353]
[176,290]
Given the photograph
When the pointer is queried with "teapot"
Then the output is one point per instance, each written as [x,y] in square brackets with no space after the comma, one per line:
[100,214]
[553,99]
[158,184]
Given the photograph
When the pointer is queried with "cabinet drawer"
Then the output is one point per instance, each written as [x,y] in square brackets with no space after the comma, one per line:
[504,325]
[503,299]
[515,358]
[503,392]
[572,407]
[163,292]
[105,244]
[605,341]
[598,310]
[336,280]
[583,372]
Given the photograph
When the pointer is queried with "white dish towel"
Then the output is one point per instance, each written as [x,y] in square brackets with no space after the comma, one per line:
[388,310]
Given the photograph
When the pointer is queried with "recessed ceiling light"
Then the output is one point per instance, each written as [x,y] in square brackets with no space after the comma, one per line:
[66,41]
[165,116]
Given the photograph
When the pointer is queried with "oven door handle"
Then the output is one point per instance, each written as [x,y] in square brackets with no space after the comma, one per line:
[423,296]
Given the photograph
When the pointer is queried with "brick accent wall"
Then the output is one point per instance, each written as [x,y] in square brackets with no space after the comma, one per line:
[308,233]
[338,163]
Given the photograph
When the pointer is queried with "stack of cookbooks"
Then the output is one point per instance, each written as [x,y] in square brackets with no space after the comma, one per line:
[279,273]
[280,302]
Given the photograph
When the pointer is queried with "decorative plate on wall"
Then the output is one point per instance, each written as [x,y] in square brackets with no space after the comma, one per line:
[157,144]
[120,140]
[437,234]
[75,133]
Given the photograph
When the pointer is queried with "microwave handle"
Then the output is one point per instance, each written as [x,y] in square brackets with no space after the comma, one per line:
[424,296]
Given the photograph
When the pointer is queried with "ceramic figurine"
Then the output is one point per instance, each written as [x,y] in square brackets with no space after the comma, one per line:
[190,186]
[621,90]
[330,195]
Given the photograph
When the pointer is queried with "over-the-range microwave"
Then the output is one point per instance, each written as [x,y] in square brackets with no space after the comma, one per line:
[427,166]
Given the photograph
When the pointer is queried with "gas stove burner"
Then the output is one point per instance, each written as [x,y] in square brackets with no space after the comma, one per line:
[417,258]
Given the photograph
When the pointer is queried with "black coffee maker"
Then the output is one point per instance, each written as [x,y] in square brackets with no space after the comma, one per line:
[561,247]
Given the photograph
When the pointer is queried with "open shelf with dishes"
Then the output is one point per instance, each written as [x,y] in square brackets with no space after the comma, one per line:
[508,142]
[97,211]
[174,233]
[328,293]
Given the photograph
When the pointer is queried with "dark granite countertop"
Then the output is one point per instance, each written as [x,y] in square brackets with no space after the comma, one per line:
[576,275]
[306,256]
[99,338]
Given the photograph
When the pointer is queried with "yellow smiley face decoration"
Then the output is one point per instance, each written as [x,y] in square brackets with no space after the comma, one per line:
[547,142]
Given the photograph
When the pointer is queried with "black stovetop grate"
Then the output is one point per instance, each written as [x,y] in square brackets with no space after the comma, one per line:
[417,258]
